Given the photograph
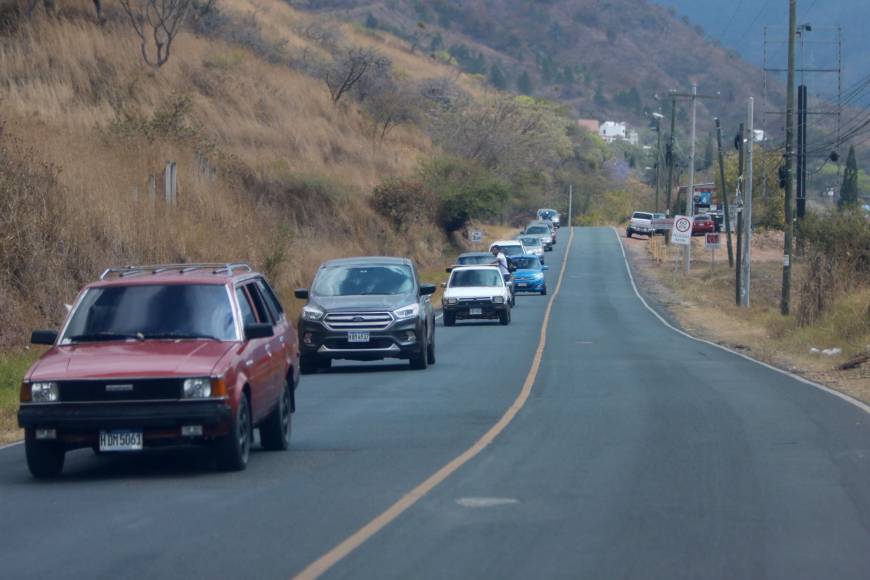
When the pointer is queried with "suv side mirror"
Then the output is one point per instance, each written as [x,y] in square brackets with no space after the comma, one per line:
[253,331]
[545,267]
[427,289]
[301,293]
[448,269]
[46,337]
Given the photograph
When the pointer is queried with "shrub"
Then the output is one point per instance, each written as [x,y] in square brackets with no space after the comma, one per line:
[838,257]
[404,202]
[465,191]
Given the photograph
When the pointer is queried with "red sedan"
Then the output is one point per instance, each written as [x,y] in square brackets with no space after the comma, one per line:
[703,224]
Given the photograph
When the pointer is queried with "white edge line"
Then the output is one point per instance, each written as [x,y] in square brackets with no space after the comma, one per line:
[13,444]
[863,406]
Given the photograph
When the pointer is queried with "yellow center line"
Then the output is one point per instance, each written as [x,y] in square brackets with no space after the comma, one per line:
[359,537]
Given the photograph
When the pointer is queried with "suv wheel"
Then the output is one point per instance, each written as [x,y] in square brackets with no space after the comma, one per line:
[430,348]
[44,458]
[309,364]
[449,319]
[419,361]
[234,448]
[275,430]
[504,317]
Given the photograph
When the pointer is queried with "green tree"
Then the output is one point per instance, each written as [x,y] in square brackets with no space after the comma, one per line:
[849,189]
[524,84]
[371,21]
[497,77]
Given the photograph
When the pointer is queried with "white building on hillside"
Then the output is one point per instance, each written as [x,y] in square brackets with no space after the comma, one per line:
[610,131]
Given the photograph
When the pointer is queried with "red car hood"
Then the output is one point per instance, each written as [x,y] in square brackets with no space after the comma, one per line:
[130,359]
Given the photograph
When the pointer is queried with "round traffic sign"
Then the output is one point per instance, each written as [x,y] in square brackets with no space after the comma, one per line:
[683,225]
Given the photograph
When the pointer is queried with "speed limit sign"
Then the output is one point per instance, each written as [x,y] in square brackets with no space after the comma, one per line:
[681,233]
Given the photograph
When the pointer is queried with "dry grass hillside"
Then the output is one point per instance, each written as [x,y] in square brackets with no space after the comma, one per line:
[269,169]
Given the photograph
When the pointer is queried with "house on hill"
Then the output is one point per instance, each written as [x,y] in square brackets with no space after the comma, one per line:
[592,125]
[612,131]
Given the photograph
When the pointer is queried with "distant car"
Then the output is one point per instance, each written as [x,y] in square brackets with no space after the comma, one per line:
[365,309]
[475,258]
[718,220]
[544,231]
[550,215]
[509,248]
[476,292]
[640,223]
[529,275]
[660,231]
[703,224]
[164,355]
[549,226]
[533,246]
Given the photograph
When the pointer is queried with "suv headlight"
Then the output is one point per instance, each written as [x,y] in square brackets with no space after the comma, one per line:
[44,392]
[498,299]
[406,312]
[311,313]
[198,388]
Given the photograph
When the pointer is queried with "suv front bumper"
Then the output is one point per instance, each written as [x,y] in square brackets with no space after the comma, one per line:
[402,339]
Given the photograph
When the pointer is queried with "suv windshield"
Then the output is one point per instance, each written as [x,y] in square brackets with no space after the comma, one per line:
[482,259]
[526,263]
[141,312]
[531,242]
[364,280]
[468,278]
[538,230]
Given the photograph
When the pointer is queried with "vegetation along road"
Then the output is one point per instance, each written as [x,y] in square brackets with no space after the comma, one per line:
[621,448]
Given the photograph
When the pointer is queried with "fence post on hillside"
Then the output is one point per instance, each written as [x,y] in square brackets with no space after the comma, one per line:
[152,190]
[170,183]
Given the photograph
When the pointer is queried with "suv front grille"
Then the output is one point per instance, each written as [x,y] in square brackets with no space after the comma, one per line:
[358,320]
[119,390]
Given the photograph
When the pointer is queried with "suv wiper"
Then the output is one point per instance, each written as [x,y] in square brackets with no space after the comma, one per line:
[99,336]
[180,336]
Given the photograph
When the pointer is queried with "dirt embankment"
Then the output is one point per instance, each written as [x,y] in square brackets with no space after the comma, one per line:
[834,351]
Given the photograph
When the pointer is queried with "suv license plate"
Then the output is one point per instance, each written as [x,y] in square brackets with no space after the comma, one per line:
[475,311]
[120,440]
[358,337]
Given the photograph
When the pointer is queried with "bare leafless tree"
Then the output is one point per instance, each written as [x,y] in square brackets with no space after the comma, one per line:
[351,68]
[156,22]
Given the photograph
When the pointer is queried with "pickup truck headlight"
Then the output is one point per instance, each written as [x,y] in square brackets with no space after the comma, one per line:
[44,392]
[451,301]
[406,312]
[198,388]
[311,313]
[498,299]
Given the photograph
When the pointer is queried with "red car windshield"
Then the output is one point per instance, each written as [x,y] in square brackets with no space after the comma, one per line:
[158,311]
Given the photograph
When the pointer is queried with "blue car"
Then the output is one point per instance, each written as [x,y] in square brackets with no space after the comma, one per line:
[529,274]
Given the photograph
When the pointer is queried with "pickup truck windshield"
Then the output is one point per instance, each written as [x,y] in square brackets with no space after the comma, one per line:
[364,280]
[158,311]
[531,241]
[538,230]
[512,250]
[471,278]
[471,260]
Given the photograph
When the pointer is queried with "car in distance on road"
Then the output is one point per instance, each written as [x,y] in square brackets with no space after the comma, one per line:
[533,246]
[475,258]
[550,215]
[509,248]
[543,231]
[476,292]
[640,223]
[703,224]
[529,275]
[161,355]
[365,309]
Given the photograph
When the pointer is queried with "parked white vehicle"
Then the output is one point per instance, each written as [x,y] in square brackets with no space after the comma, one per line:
[476,292]
[640,223]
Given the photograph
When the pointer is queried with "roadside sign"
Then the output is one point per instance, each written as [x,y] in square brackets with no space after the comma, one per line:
[681,233]
[476,236]
[712,241]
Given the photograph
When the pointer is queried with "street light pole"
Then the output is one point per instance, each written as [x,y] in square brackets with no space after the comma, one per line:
[690,195]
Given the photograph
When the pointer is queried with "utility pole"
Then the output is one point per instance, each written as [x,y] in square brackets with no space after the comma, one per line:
[690,195]
[658,118]
[785,302]
[747,204]
[570,206]
[801,175]
[671,157]
[738,271]
[725,207]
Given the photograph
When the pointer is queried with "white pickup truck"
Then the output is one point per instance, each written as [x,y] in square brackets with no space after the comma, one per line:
[640,223]
[476,292]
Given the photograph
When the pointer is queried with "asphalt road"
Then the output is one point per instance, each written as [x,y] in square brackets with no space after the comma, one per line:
[639,454]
